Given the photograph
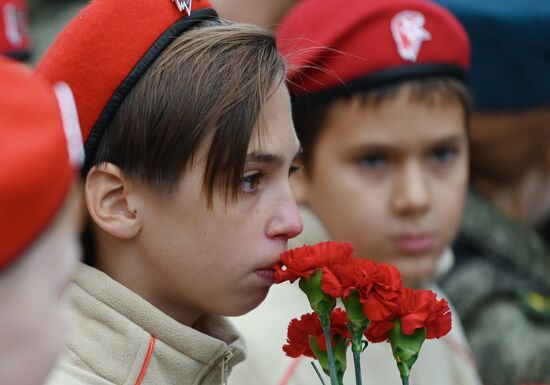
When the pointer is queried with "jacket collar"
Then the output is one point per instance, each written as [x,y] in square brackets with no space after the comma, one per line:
[112,328]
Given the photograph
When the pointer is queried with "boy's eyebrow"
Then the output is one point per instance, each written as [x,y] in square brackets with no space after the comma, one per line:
[383,146]
[449,140]
[265,157]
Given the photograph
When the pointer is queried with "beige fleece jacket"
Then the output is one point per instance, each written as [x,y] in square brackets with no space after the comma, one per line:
[118,338]
[445,361]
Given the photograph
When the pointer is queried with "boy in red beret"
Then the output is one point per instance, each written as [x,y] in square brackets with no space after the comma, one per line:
[40,209]
[381,109]
[189,149]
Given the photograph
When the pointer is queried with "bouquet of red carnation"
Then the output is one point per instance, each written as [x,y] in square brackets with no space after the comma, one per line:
[377,308]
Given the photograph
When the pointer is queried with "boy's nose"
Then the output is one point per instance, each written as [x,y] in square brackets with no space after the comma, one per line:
[412,192]
[286,221]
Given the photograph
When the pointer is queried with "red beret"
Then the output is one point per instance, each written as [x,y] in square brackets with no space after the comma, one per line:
[14,33]
[104,51]
[36,164]
[334,49]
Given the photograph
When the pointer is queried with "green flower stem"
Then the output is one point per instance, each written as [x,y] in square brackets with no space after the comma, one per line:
[318,373]
[357,364]
[405,380]
[357,348]
[325,323]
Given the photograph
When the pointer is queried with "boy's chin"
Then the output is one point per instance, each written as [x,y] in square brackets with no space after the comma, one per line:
[246,305]
[417,272]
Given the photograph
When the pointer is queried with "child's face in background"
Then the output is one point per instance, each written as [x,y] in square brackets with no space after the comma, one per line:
[218,259]
[32,320]
[391,179]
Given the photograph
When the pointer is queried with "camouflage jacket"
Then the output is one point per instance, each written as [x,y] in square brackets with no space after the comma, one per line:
[500,286]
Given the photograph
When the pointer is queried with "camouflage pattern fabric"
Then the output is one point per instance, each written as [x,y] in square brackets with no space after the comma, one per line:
[500,286]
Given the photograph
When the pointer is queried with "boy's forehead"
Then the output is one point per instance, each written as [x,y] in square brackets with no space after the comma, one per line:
[394,121]
[274,131]
[274,148]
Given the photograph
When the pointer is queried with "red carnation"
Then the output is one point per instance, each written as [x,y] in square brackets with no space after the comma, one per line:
[378,331]
[380,291]
[413,309]
[303,261]
[421,309]
[340,279]
[439,321]
[302,331]
[416,309]
[299,332]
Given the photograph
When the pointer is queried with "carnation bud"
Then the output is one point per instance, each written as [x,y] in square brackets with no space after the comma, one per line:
[405,348]
[320,302]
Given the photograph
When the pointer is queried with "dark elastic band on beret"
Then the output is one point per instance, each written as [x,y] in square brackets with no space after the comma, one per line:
[385,77]
[178,28]
[21,55]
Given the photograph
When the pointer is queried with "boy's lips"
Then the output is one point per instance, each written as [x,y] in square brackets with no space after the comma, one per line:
[415,243]
[268,274]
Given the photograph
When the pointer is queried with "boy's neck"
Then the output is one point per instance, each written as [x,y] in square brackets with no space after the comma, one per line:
[120,259]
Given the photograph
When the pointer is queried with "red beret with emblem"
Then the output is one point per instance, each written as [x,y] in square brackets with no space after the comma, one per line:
[358,44]
[104,51]
[14,33]
[40,150]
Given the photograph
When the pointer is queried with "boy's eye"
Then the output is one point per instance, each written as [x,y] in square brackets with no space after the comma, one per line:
[372,161]
[294,170]
[443,154]
[251,181]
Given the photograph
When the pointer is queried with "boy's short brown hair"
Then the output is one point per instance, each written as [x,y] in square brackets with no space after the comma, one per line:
[209,84]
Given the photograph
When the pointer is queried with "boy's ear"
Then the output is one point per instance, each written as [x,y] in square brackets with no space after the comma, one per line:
[106,194]
[300,187]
